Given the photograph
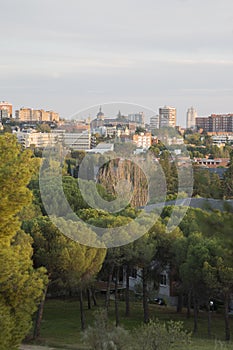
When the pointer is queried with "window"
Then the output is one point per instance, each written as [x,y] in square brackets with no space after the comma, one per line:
[163,280]
[134,273]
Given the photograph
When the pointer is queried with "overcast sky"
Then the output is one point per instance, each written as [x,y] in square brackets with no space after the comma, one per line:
[68,55]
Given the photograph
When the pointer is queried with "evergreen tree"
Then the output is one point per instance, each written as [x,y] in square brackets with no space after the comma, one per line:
[228,179]
[21,286]
[71,266]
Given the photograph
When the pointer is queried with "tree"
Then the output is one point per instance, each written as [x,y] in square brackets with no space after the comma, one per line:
[194,139]
[43,128]
[207,184]
[21,286]
[71,266]
[155,150]
[228,179]
[199,251]
[203,257]
[151,258]
[139,130]
[219,277]
[220,273]
[170,172]
[78,156]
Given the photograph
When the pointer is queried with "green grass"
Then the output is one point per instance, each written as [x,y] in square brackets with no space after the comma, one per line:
[61,323]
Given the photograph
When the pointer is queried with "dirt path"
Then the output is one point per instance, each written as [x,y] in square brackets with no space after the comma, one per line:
[35,347]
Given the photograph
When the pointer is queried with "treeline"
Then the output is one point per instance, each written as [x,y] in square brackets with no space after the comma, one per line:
[207,184]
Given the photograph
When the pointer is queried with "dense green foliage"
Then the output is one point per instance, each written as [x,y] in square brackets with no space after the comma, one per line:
[21,286]
[228,179]
[70,265]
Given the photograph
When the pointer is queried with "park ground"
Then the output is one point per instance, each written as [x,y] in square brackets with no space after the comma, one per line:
[61,325]
[35,347]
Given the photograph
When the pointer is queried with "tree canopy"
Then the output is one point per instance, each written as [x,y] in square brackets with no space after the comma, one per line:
[21,286]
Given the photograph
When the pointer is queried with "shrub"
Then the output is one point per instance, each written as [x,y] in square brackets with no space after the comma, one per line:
[160,336]
[153,336]
[104,335]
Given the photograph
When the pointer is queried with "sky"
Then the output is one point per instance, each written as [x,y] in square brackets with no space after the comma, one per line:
[69,55]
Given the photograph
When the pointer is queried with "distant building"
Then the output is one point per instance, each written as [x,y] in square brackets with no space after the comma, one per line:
[36,115]
[24,114]
[222,139]
[102,148]
[5,110]
[154,122]
[100,114]
[202,123]
[216,123]
[167,117]
[111,131]
[32,139]
[167,140]
[98,121]
[191,118]
[131,122]
[75,141]
[73,126]
[212,163]
[143,140]
[138,118]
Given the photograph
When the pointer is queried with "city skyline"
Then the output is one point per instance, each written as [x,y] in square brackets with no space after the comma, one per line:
[70,56]
[130,110]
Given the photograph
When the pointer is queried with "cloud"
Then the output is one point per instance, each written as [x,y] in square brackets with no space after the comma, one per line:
[125,49]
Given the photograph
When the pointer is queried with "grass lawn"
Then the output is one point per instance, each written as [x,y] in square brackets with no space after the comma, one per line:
[61,324]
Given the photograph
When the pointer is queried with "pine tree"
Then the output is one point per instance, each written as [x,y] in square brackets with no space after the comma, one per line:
[228,179]
[21,286]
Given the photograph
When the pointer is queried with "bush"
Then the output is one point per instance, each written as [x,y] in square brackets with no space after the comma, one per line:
[104,335]
[160,336]
[153,336]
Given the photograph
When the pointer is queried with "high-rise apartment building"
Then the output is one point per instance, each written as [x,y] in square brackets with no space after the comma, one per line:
[216,123]
[5,109]
[36,115]
[221,122]
[167,117]
[24,114]
[138,118]
[154,122]
[202,123]
[191,118]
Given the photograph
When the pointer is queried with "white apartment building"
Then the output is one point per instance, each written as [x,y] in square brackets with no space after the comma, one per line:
[74,141]
[222,139]
[31,138]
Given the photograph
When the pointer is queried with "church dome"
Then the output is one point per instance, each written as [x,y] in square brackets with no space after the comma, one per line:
[100,114]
